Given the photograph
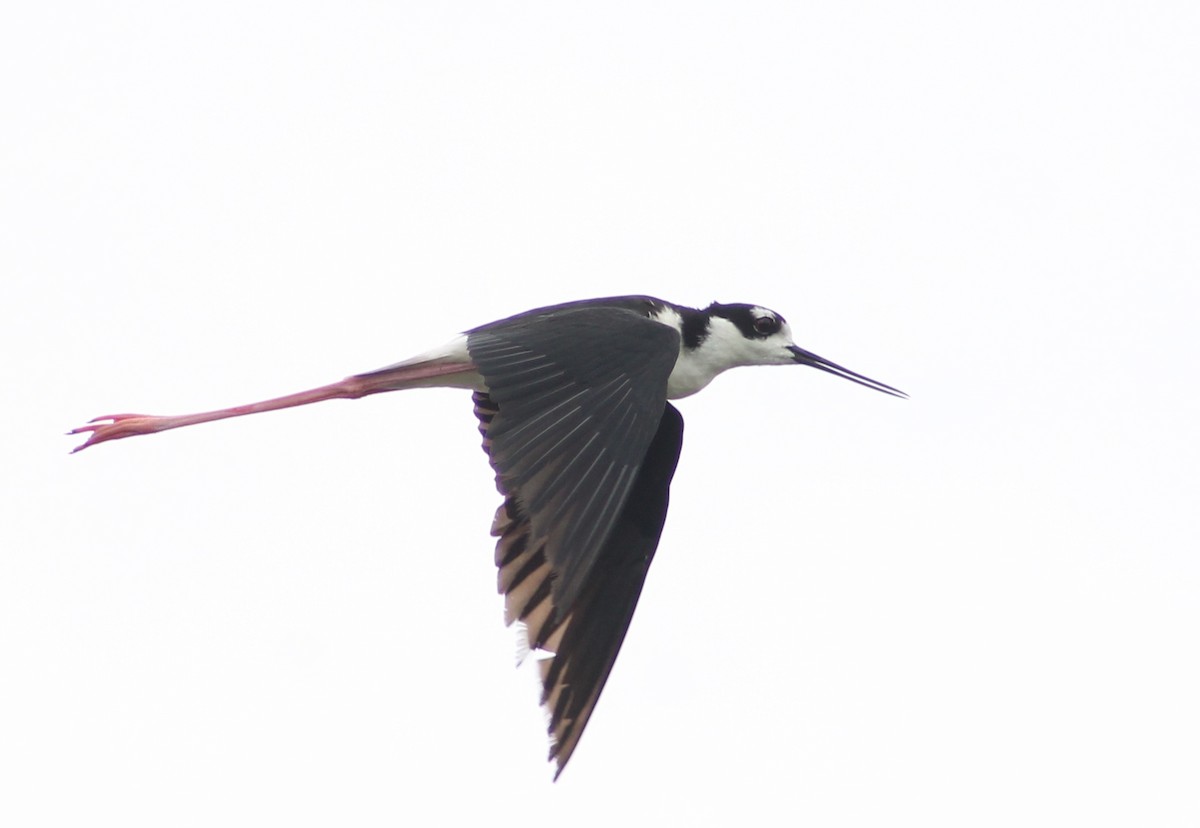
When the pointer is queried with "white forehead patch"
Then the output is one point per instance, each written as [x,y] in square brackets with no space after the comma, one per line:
[784,329]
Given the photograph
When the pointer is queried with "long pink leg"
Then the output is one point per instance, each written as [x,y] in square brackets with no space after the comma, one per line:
[119,426]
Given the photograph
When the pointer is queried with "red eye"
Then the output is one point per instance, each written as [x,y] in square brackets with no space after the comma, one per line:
[766,325]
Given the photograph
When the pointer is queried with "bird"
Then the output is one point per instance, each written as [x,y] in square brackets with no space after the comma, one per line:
[574,408]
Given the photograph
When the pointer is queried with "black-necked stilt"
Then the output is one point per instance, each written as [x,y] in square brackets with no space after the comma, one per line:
[572,405]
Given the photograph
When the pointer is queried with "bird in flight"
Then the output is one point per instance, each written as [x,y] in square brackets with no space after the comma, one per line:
[572,402]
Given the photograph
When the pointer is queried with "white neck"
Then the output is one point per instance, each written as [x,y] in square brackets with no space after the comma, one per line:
[722,349]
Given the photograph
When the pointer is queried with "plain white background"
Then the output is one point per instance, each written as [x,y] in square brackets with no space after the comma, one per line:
[976,607]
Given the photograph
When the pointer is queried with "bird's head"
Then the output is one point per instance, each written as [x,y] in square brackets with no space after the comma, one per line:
[754,335]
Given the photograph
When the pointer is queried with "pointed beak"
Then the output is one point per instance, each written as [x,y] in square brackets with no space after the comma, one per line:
[809,358]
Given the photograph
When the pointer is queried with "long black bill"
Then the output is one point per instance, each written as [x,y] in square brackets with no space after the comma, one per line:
[809,358]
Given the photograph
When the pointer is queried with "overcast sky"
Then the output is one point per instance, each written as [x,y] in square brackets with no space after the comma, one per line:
[980,606]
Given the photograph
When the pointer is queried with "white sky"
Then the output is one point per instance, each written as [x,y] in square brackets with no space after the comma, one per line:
[977,607]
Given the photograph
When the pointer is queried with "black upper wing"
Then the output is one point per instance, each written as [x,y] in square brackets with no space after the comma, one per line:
[579,394]
[586,635]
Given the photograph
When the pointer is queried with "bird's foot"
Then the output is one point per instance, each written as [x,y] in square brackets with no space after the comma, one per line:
[117,426]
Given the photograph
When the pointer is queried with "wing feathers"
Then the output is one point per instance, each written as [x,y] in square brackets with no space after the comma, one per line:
[583,638]
[580,392]
[584,444]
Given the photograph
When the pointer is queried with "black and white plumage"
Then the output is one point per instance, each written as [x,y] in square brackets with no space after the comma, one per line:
[572,402]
